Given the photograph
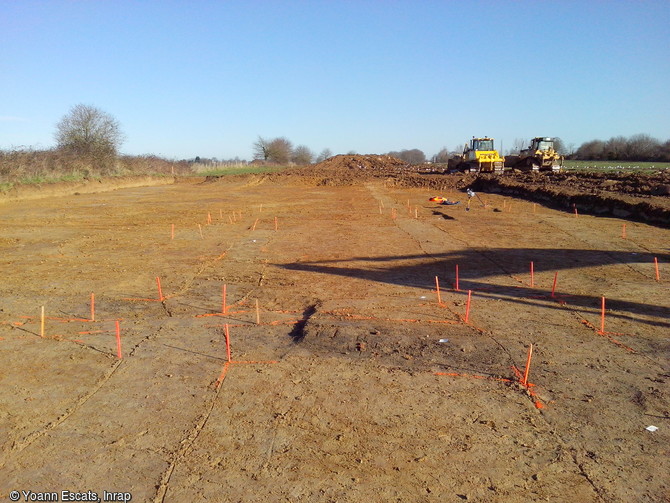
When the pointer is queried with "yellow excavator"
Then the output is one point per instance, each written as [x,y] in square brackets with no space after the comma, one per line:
[479,156]
[539,156]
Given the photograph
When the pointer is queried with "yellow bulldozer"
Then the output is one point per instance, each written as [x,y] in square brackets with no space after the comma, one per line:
[479,156]
[539,156]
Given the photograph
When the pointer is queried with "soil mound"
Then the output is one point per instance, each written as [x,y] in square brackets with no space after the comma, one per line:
[632,183]
[351,169]
[635,196]
[371,164]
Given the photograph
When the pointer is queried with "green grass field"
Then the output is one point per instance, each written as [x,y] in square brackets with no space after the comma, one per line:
[642,167]
[238,169]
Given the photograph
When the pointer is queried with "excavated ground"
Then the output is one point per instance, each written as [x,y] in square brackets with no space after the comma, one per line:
[631,195]
[350,378]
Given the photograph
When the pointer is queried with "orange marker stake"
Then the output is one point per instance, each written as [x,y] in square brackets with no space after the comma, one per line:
[258,314]
[228,342]
[576,214]
[416,212]
[200,229]
[602,316]
[534,207]
[276,225]
[532,275]
[254,226]
[658,276]
[42,323]
[160,290]
[118,340]
[525,372]
[553,288]
[224,309]
[437,287]
[393,213]
[172,232]
[467,307]
[380,208]
[623,231]
[457,288]
[92,307]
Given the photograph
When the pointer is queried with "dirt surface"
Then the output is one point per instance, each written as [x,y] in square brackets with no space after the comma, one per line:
[635,196]
[338,387]
[631,195]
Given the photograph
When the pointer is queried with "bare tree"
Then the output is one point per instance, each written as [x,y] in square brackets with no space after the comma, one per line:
[615,148]
[260,148]
[591,151]
[664,152]
[642,147]
[559,146]
[279,151]
[442,156]
[276,151]
[88,131]
[518,145]
[302,155]
[325,154]
[414,156]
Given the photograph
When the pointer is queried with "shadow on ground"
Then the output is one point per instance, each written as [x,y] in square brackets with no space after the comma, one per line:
[477,266]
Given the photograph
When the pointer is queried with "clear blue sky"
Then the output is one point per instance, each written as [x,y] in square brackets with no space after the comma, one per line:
[206,78]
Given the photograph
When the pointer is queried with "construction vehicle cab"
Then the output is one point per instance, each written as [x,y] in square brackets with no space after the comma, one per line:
[479,155]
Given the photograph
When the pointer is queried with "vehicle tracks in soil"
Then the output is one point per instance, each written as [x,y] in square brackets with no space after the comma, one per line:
[22,444]
[312,309]
[576,450]
[186,445]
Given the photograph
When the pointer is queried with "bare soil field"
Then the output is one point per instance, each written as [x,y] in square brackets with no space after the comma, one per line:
[349,376]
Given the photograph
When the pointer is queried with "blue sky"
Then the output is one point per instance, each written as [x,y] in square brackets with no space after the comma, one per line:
[206,78]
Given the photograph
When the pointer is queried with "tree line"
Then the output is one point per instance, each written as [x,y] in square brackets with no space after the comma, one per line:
[281,151]
[639,147]
[88,141]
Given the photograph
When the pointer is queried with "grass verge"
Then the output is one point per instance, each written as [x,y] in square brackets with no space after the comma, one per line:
[240,170]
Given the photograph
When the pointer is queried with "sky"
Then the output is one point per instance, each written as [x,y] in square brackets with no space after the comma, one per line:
[208,78]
